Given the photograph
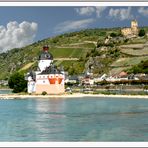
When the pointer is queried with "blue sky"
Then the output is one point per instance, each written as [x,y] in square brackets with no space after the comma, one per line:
[38,23]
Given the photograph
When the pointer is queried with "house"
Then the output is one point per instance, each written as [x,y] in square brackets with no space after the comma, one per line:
[72,79]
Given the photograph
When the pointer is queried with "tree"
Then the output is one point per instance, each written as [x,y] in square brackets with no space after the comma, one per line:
[113,34]
[17,82]
[142,32]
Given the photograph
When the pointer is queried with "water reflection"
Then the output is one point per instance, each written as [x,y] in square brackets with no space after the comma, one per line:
[83,119]
[5,91]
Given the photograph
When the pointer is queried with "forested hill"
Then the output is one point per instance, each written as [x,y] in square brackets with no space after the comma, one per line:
[101,50]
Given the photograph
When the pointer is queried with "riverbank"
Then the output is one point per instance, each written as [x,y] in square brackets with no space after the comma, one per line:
[75,95]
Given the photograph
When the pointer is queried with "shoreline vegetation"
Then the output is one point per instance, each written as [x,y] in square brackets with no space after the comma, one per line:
[74,95]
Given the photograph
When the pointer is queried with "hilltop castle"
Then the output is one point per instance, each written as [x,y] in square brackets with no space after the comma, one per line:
[47,78]
[131,32]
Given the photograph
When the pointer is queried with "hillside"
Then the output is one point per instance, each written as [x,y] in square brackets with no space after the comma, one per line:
[78,51]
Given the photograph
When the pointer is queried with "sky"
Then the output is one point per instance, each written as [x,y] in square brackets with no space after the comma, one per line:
[20,26]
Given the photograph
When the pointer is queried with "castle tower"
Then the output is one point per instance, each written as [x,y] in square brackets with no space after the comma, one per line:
[45,59]
[134,27]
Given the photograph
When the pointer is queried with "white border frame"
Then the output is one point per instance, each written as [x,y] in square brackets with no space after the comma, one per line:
[73,144]
[74,3]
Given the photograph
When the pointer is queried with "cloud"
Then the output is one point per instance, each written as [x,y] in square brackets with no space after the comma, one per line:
[87,11]
[143,11]
[121,13]
[99,11]
[72,25]
[17,35]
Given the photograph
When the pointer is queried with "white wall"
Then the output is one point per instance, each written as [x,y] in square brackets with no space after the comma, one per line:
[43,64]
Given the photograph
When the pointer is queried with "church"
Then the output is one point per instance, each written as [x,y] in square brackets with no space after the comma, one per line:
[47,78]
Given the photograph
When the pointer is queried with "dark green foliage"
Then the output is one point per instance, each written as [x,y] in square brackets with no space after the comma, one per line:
[114,53]
[126,40]
[113,34]
[100,44]
[146,87]
[17,82]
[110,44]
[141,32]
[81,59]
[104,82]
[44,93]
[94,53]
[87,55]
[140,68]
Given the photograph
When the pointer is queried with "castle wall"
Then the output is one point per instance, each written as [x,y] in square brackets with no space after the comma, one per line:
[31,87]
[126,31]
[43,84]
[44,79]
[43,64]
[50,89]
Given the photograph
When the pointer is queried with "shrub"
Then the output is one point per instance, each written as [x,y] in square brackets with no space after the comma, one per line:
[44,93]
[141,32]
[126,40]
[113,34]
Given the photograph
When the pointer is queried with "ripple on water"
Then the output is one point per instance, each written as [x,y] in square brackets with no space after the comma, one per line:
[83,119]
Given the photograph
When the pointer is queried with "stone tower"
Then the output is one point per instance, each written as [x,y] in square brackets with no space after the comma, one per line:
[134,27]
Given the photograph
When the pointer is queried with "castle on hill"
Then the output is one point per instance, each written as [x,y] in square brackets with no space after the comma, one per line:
[132,31]
[47,78]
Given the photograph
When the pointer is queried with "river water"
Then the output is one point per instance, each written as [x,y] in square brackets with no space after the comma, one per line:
[74,119]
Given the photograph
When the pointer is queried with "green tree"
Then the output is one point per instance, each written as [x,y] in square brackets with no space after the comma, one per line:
[17,82]
[142,32]
[113,34]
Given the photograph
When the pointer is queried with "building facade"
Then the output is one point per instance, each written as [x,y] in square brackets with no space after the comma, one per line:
[48,78]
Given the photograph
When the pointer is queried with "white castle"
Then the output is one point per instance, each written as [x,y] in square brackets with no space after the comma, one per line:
[47,78]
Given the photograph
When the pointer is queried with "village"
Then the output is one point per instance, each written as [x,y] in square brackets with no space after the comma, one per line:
[121,82]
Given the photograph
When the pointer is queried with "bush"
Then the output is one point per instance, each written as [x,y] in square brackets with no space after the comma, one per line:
[126,40]
[141,32]
[17,82]
[113,34]
[99,44]
[44,93]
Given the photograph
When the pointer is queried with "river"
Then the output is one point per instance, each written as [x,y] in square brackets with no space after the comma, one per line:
[74,119]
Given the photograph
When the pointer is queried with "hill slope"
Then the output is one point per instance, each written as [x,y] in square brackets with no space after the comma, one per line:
[79,51]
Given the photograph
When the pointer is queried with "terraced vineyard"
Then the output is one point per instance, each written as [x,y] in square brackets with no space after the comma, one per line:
[135,50]
[134,54]
[130,61]
[77,51]
[69,52]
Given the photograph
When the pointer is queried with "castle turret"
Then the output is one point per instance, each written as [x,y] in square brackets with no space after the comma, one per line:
[45,59]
